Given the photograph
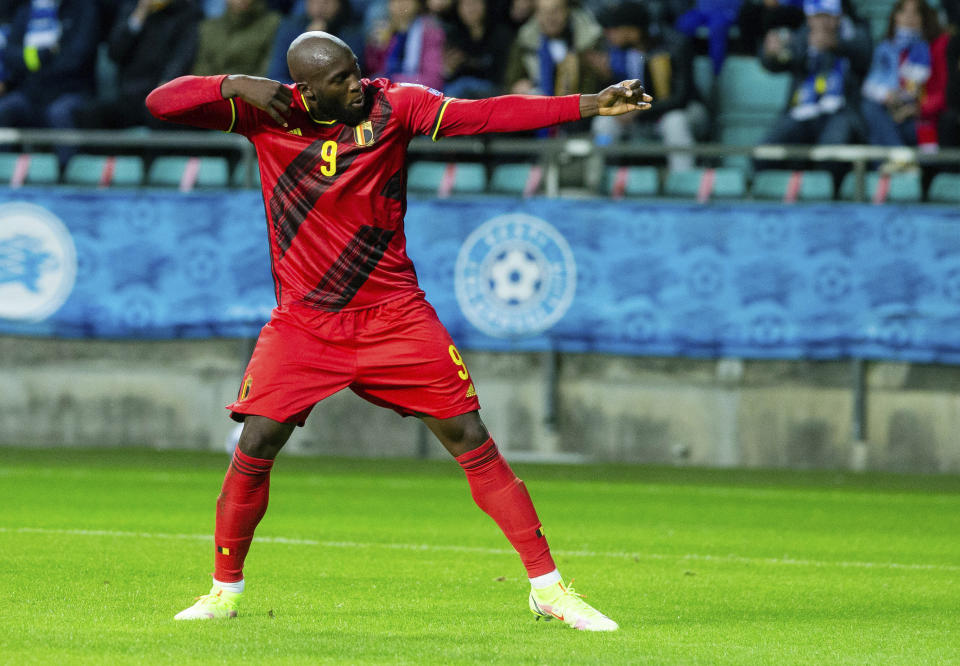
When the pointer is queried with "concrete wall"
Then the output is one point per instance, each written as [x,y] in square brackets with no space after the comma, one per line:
[171,394]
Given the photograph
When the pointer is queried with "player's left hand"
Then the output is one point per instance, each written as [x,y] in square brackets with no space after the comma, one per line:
[615,100]
[622,98]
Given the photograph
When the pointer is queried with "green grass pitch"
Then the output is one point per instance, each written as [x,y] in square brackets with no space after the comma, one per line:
[372,562]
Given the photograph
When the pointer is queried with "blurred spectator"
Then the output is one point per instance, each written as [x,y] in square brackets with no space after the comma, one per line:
[519,13]
[549,55]
[758,17]
[408,46]
[828,59]
[239,42]
[333,16]
[664,12]
[214,8]
[949,126]
[894,91]
[444,11]
[8,11]
[152,42]
[717,16]
[475,58]
[664,66]
[49,63]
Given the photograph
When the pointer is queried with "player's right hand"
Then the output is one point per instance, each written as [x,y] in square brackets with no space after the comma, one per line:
[265,94]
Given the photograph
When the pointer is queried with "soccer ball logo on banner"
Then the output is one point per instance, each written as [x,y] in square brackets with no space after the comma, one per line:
[515,276]
[38,262]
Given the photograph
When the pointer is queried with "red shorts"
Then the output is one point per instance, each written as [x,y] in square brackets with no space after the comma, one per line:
[396,355]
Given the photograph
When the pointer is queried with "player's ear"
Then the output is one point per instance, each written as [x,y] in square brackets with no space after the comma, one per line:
[306,92]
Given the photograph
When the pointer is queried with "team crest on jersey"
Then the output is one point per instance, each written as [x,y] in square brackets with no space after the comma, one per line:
[515,276]
[363,133]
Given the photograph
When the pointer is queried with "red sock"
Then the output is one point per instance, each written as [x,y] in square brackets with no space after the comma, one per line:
[241,505]
[504,497]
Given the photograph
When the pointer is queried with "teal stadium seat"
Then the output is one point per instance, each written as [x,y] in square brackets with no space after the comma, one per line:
[188,173]
[240,175]
[443,179]
[945,188]
[877,14]
[783,185]
[727,183]
[749,100]
[902,187]
[103,171]
[18,169]
[632,181]
[520,179]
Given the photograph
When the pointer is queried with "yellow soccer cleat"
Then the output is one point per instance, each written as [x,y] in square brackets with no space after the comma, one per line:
[217,605]
[562,603]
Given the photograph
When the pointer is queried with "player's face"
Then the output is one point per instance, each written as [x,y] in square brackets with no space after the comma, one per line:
[335,92]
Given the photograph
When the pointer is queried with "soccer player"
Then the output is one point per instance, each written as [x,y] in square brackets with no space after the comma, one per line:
[332,150]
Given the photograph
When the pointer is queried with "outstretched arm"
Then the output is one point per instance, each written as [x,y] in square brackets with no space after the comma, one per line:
[519,113]
[206,101]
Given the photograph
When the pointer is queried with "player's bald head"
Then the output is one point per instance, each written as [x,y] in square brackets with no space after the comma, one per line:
[313,52]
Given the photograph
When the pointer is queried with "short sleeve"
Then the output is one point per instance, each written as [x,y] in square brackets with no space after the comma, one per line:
[419,108]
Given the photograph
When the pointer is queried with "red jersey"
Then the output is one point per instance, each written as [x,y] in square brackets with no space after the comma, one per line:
[335,195]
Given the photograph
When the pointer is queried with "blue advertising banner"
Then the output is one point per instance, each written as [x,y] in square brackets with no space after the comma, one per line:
[651,278]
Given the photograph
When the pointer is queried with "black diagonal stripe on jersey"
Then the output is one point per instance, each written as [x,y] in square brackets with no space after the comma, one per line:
[393,188]
[351,269]
[300,186]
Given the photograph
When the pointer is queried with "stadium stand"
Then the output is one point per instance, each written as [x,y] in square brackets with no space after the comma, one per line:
[945,188]
[239,178]
[188,173]
[706,184]
[637,181]
[517,179]
[902,187]
[18,169]
[749,99]
[104,171]
[446,178]
[791,186]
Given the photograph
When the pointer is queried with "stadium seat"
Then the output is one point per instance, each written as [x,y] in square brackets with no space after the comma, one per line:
[904,187]
[749,100]
[187,173]
[18,169]
[747,90]
[635,181]
[704,80]
[240,175]
[706,184]
[445,178]
[945,188]
[104,171]
[521,179]
[877,14]
[783,185]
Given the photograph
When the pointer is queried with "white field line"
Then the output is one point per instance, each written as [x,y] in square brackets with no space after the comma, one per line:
[697,557]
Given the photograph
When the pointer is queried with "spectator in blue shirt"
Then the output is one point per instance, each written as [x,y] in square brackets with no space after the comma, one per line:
[828,60]
[717,16]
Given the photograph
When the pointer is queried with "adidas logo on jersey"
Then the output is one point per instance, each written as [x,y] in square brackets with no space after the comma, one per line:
[471,391]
